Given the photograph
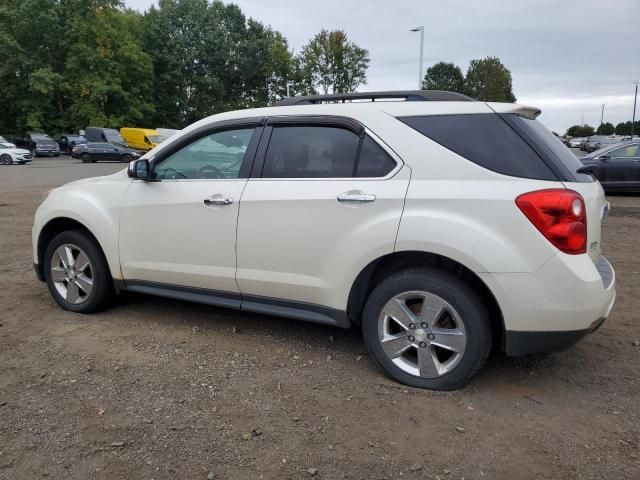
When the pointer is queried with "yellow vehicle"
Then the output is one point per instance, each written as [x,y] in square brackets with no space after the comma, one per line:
[141,138]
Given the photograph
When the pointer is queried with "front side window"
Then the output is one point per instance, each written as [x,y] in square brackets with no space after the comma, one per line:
[219,155]
[311,152]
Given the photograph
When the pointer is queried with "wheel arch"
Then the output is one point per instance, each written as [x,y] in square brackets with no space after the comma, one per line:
[52,228]
[386,265]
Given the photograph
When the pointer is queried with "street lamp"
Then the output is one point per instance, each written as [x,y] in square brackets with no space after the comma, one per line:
[633,119]
[602,115]
[421,30]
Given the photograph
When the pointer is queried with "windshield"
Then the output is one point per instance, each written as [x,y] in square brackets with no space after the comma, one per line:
[114,137]
[156,138]
[40,136]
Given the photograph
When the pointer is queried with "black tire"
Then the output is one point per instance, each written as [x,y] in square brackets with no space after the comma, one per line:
[102,291]
[460,296]
[6,159]
[85,157]
[126,158]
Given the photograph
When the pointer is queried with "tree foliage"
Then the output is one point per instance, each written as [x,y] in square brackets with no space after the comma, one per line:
[489,80]
[580,131]
[624,128]
[68,64]
[332,63]
[444,76]
[606,129]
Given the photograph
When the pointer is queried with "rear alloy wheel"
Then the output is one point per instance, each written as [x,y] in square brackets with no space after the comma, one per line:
[77,273]
[5,159]
[427,328]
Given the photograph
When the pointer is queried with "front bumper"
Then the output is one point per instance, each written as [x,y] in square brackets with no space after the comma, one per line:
[555,306]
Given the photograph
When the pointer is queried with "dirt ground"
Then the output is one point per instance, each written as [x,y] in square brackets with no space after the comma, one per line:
[156,388]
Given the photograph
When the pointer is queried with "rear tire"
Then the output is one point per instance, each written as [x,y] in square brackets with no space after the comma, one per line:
[426,328]
[77,273]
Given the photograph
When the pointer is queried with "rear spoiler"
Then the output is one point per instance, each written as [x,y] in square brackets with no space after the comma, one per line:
[525,111]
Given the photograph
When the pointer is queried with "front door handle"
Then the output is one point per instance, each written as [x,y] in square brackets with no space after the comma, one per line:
[217,200]
[356,196]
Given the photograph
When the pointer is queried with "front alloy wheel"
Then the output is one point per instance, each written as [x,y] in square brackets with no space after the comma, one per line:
[77,272]
[72,273]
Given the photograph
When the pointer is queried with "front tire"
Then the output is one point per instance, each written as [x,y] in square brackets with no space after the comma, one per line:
[6,159]
[126,158]
[77,273]
[85,157]
[426,328]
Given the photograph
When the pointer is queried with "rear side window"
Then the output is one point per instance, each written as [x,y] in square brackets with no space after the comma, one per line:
[373,160]
[484,139]
[311,152]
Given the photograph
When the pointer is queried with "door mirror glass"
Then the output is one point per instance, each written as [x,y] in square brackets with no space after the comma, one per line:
[139,169]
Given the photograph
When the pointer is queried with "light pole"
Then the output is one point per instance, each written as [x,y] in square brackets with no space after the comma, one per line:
[633,119]
[602,116]
[420,72]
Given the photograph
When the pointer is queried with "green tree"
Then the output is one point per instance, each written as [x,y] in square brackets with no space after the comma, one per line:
[580,131]
[606,129]
[444,76]
[332,63]
[489,80]
[624,128]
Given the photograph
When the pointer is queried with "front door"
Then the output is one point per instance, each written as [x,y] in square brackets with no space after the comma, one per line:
[180,228]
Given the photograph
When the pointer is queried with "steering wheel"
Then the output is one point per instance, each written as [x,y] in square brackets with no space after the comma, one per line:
[209,171]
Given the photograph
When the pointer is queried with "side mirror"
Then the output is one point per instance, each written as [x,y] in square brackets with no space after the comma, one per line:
[139,169]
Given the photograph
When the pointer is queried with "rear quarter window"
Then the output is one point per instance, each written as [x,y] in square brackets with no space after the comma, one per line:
[486,140]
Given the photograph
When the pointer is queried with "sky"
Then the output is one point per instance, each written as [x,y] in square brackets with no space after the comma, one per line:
[567,57]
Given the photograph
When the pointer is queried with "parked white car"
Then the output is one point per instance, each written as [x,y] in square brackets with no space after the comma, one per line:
[575,142]
[444,227]
[10,154]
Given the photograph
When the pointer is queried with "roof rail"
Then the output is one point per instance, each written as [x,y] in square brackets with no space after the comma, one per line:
[406,95]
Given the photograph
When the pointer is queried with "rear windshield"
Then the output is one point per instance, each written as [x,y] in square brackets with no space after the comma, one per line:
[506,144]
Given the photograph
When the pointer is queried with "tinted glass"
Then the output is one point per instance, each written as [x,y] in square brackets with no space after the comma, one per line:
[310,152]
[553,149]
[215,156]
[373,160]
[484,139]
[626,151]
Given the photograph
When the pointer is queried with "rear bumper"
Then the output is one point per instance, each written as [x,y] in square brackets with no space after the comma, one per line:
[555,306]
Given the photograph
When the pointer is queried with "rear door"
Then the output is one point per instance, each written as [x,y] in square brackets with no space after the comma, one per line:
[323,192]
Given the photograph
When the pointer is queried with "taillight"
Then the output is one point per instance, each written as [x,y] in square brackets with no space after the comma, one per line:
[559,215]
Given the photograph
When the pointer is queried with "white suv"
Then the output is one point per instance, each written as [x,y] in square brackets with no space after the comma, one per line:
[442,226]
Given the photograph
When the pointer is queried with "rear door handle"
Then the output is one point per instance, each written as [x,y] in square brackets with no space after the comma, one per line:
[356,196]
[217,200]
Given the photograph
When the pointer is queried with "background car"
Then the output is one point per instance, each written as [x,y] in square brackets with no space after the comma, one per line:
[109,135]
[103,151]
[167,133]
[69,140]
[141,138]
[10,154]
[575,142]
[600,141]
[617,167]
[39,144]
